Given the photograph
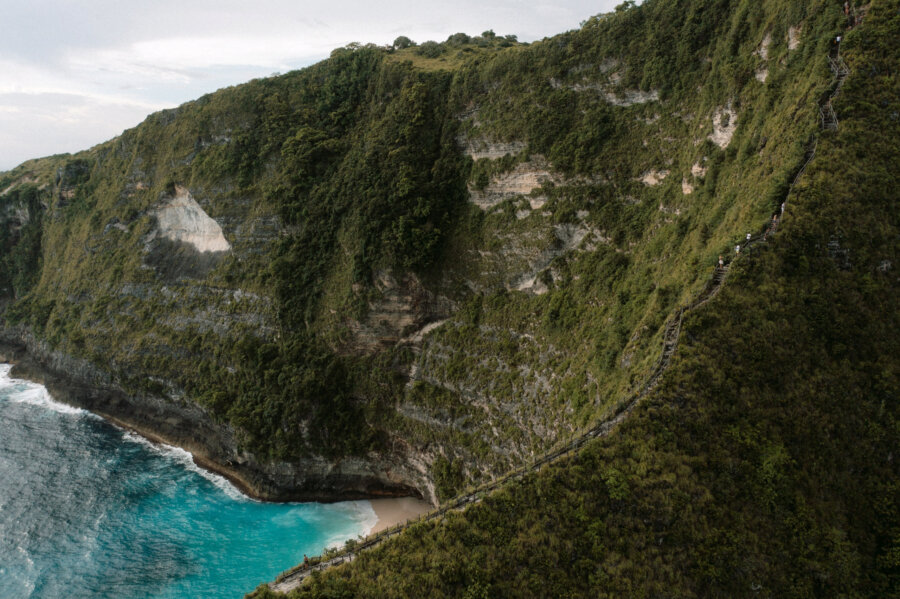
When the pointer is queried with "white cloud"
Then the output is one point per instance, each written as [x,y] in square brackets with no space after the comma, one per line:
[173,58]
[22,81]
[95,68]
[52,123]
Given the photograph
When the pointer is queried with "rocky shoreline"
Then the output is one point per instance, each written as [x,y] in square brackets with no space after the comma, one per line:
[213,446]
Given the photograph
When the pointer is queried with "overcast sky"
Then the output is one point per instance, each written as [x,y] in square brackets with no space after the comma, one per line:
[76,73]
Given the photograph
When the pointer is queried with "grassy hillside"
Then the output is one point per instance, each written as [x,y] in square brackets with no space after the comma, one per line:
[765,464]
[342,189]
[620,250]
[451,254]
[451,257]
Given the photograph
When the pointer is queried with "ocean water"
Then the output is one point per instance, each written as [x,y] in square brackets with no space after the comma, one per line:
[90,510]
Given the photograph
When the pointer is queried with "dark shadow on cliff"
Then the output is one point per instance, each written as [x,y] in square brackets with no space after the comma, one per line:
[176,260]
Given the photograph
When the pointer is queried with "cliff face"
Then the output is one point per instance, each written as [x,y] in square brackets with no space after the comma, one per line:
[183,423]
[765,461]
[391,273]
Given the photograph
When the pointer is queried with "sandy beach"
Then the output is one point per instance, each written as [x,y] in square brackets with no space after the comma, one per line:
[395,510]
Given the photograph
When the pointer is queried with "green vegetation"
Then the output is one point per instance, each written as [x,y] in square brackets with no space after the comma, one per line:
[764,464]
[20,240]
[565,358]
[549,206]
[334,181]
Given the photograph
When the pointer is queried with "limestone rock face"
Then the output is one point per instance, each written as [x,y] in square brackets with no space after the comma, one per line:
[484,148]
[522,180]
[173,419]
[724,125]
[654,177]
[403,312]
[182,219]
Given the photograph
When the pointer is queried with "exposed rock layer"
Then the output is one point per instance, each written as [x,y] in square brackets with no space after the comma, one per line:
[181,218]
[212,444]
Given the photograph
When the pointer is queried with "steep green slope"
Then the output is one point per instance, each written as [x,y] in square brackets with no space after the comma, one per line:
[410,270]
[764,464]
[641,197]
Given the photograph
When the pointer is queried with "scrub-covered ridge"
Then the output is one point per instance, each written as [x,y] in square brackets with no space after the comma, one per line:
[414,269]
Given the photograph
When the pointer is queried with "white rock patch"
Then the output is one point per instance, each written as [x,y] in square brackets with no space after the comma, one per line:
[182,219]
[532,285]
[698,170]
[794,38]
[570,237]
[669,210]
[724,125]
[630,97]
[483,148]
[762,72]
[763,51]
[537,203]
[616,97]
[522,180]
[686,187]
[420,334]
[653,177]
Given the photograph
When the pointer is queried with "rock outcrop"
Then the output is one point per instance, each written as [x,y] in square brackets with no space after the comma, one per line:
[180,218]
[404,308]
[724,122]
[522,180]
[176,420]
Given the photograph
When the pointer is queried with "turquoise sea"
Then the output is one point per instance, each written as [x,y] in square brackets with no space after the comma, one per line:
[90,510]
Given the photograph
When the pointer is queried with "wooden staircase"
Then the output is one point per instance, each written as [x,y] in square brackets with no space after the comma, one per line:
[840,71]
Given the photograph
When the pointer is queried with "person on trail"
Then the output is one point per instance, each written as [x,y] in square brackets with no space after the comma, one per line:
[305,560]
[847,8]
[748,236]
[782,207]
[737,249]
[721,262]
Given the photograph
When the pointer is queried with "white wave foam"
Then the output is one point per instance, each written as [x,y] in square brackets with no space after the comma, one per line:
[5,381]
[25,581]
[22,391]
[179,455]
[363,515]
[39,396]
[29,563]
[370,518]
